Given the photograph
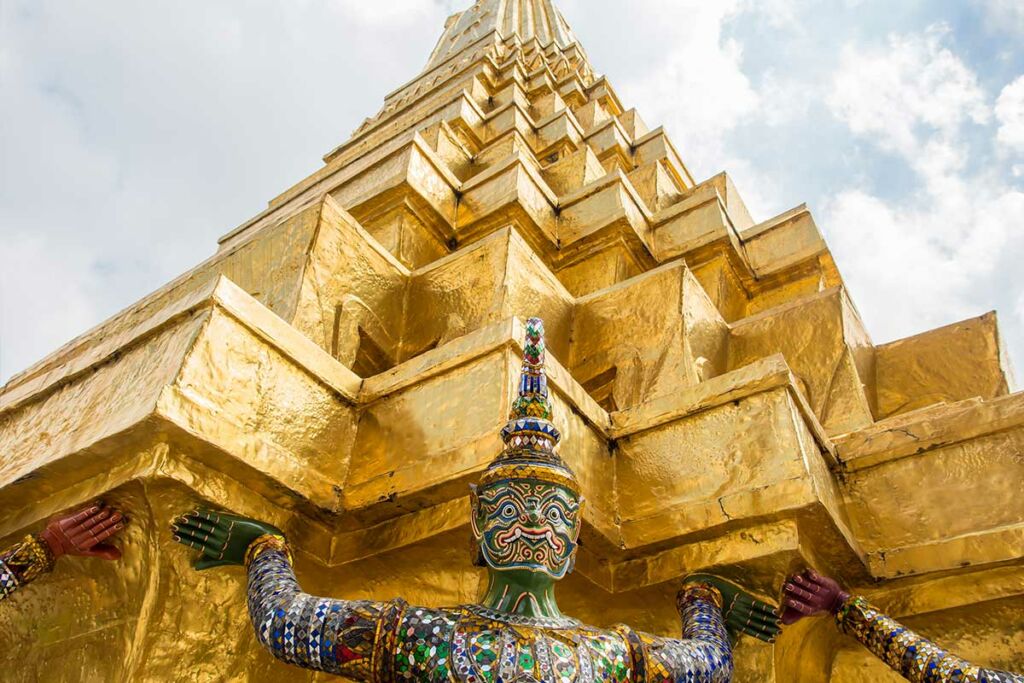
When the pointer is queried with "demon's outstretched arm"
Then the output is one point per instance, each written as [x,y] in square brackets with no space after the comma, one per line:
[82,533]
[336,636]
[918,659]
[710,608]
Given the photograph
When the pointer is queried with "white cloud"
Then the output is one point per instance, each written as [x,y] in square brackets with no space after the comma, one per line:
[133,135]
[1019,311]
[931,256]
[1010,113]
[785,99]
[778,13]
[915,265]
[698,89]
[913,86]
[914,258]
[390,13]
[46,297]
[695,86]
[1005,15]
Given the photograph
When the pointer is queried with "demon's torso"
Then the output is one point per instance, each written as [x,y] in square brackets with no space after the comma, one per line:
[391,642]
[466,644]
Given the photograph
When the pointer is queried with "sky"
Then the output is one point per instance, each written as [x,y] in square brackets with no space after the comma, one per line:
[134,134]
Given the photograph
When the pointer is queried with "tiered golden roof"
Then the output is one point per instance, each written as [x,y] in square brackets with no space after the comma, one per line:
[343,364]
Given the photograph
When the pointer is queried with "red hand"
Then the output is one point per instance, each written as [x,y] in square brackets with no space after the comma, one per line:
[83,533]
[810,594]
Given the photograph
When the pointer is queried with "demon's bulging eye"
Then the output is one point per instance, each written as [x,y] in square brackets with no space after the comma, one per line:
[554,514]
[508,511]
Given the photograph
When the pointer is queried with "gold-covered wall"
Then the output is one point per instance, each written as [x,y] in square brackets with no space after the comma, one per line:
[342,365]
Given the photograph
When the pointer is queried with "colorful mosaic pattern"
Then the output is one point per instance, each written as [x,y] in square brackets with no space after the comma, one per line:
[266,543]
[8,581]
[391,642]
[23,564]
[526,516]
[917,659]
[529,525]
[529,436]
[336,636]
[703,654]
[424,645]
[533,400]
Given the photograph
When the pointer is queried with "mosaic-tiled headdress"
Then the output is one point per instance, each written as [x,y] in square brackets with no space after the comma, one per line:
[530,438]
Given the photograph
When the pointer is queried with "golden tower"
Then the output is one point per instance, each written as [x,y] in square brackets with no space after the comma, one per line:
[342,366]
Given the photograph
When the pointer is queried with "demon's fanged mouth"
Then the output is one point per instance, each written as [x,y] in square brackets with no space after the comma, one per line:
[529,525]
[532,537]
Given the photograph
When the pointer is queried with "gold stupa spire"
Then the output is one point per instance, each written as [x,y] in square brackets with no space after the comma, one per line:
[503,19]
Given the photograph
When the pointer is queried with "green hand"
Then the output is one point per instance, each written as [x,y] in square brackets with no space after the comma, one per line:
[743,612]
[222,538]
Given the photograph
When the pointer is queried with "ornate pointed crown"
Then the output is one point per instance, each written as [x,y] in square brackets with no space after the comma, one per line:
[530,438]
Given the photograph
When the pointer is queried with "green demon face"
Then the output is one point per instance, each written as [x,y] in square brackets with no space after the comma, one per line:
[528,525]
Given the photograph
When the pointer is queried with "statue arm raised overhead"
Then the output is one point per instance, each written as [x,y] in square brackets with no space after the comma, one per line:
[323,634]
[702,654]
[23,563]
[709,607]
[82,533]
[917,659]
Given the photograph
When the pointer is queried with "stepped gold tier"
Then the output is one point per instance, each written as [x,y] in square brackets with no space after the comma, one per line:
[342,365]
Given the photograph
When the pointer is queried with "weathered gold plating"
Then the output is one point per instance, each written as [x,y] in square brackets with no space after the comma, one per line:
[342,365]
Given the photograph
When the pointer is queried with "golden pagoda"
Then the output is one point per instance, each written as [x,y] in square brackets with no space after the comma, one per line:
[343,364]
